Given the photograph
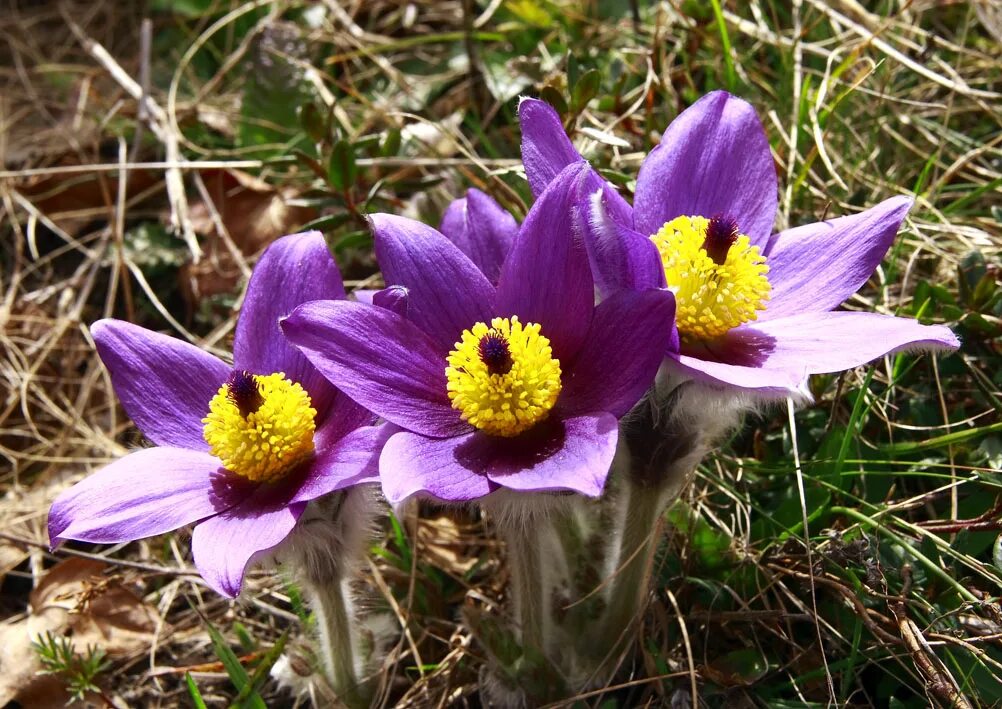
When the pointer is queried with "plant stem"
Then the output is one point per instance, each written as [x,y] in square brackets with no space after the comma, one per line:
[337,640]
[528,587]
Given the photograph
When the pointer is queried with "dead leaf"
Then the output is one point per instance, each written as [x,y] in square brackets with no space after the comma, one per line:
[76,598]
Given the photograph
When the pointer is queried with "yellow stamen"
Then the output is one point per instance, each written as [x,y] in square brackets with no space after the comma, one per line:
[710,297]
[268,442]
[503,379]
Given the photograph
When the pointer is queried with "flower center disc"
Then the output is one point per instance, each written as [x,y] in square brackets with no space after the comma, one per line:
[260,426]
[718,277]
[503,379]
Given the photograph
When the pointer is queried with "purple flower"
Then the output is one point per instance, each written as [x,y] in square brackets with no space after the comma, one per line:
[517,386]
[755,310]
[482,230]
[239,450]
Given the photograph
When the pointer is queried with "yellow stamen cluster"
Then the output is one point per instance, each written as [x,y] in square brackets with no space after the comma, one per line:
[711,298]
[510,402]
[269,442]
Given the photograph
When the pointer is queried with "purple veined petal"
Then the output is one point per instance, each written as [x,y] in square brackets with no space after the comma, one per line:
[351,460]
[482,230]
[164,384]
[546,278]
[621,258]
[411,464]
[816,267]
[226,545]
[393,298]
[293,270]
[379,359]
[833,342]
[148,492]
[759,381]
[714,159]
[546,149]
[629,335]
[571,454]
[447,293]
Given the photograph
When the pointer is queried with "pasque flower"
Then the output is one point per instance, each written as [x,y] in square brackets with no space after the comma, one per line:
[755,310]
[240,450]
[482,230]
[516,386]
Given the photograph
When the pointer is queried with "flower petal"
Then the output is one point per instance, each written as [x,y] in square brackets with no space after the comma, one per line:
[482,229]
[757,380]
[145,493]
[546,278]
[546,149]
[224,546]
[713,159]
[411,464]
[380,360]
[352,460]
[447,293]
[164,384]
[293,270]
[392,298]
[816,267]
[832,342]
[621,258]
[629,335]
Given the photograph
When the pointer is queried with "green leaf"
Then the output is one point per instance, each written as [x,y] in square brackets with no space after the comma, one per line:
[341,169]
[196,696]
[391,143]
[236,672]
[313,122]
[586,89]
[553,96]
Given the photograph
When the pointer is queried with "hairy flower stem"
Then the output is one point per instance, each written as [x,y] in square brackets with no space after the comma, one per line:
[528,585]
[335,628]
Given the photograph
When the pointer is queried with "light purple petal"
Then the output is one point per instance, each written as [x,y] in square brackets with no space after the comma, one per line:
[832,342]
[393,298]
[482,229]
[380,360]
[714,159]
[629,335]
[415,465]
[351,460]
[816,267]
[164,384]
[293,270]
[621,258]
[148,492]
[546,149]
[546,278]
[447,293]
[226,545]
[757,380]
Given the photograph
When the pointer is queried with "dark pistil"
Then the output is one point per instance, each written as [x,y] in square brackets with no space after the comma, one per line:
[721,233]
[495,353]
[244,392]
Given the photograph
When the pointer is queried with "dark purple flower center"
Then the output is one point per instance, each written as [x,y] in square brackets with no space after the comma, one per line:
[495,353]
[721,233]
[243,392]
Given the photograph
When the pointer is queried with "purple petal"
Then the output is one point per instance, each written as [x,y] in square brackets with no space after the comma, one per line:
[571,454]
[546,278]
[148,492]
[714,159]
[629,335]
[380,360]
[816,267]
[447,293]
[393,298]
[412,465]
[164,384]
[621,258]
[755,379]
[293,270]
[546,149]
[351,460]
[224,546]
[482,229]
[832,342]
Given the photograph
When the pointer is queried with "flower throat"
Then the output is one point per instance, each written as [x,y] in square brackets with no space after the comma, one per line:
[718,277]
